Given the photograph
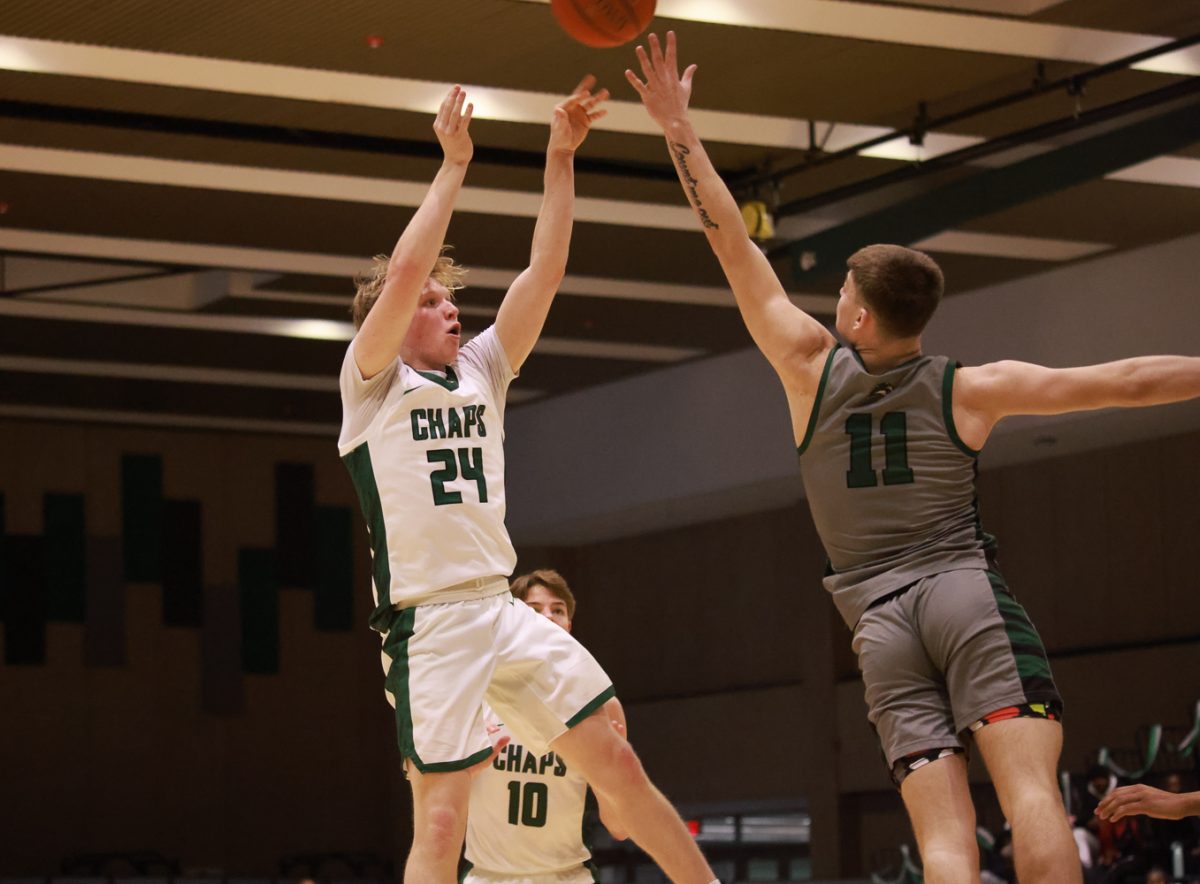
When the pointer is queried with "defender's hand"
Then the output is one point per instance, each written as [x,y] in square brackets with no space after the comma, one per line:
[665,93]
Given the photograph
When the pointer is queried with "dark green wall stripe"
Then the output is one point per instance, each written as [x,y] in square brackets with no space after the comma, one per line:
[23,598]
[258,594]
[295,523]
[333,606]
[104,638]
[222,685]
[65,533]
[182,563]
[141,512]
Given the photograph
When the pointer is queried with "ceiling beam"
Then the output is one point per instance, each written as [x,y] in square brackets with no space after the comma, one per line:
[345,267]
[934,29]
[1144,134]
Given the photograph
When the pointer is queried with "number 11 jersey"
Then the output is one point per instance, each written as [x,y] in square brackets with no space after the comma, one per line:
[890,484]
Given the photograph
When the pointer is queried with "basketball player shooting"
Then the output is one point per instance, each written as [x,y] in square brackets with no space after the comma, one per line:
[422,438]
[947,654]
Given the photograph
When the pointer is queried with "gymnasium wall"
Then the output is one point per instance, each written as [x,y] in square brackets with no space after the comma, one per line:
[184,662]
[739,681]
[221,701]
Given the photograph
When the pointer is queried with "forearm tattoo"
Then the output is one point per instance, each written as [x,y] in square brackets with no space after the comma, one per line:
[680,153]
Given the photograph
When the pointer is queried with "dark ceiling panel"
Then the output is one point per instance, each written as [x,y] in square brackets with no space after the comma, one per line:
[140,344]
[1170,18]
[144,211]
[853,80]
[102,394]
[1113,212]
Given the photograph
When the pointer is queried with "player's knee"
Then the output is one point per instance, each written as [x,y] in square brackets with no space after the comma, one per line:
[1035,804]
[948,862]
[440,829]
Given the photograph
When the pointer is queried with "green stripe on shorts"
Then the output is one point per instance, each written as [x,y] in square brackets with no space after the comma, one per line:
[449,766]
[591,707]
[396,682]
[1029,654]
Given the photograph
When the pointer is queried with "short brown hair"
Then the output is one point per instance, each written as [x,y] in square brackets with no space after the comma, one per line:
[369,284]
[902,287]
[549,578]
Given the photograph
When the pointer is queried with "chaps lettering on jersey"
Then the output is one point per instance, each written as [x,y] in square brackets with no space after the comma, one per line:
[448,423]
[515,759]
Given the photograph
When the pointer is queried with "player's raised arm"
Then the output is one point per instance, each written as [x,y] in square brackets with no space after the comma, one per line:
[378,340]
[985,394]
[791,340]
[523,310]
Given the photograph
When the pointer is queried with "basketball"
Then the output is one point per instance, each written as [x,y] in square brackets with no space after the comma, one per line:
[603,23]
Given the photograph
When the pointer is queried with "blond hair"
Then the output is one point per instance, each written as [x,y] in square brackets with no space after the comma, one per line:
[369,284]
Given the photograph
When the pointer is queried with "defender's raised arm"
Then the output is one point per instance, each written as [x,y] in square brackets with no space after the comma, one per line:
[792,341]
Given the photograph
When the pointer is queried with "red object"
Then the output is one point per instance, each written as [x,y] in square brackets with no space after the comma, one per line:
[603,23]
[693,827]
[374,41]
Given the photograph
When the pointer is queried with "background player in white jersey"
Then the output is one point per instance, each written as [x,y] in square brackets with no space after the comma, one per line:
[947,654]
[526,819]
[421,435]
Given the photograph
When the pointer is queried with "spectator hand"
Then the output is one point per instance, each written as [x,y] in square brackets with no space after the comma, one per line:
[1140,799]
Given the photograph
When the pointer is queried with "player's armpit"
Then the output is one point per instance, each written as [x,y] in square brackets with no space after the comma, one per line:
[789,338]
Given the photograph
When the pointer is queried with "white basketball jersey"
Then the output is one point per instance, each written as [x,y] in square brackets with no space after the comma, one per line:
[426,455]
[526,813]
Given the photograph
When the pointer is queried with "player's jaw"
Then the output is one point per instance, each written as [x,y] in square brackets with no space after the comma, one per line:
[435,332]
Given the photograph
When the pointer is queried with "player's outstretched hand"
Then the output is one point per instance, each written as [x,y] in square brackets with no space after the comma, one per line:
[574,115]
[1133,800]
[664,93]
[451,126]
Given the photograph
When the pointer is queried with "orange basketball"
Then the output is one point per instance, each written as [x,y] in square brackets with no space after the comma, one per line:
[603,23]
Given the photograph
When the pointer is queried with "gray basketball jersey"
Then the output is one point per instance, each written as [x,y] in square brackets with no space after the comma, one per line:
[890,484]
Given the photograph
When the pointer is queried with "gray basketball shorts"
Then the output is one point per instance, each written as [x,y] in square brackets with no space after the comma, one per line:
[943,657]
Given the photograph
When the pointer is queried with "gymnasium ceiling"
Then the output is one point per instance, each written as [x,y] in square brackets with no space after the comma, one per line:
[187,187]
